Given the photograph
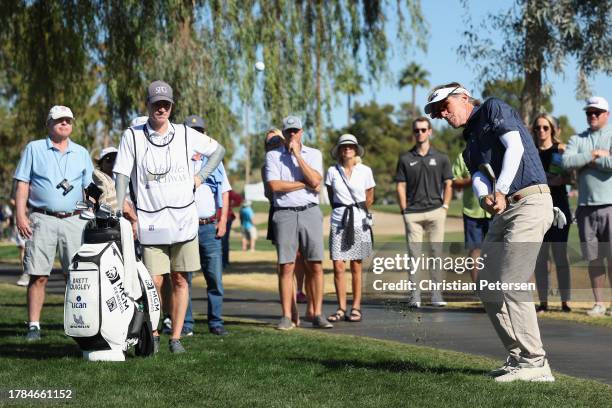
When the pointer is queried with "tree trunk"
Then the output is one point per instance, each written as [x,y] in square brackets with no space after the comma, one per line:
[531,96]
[532,63]
[247,147]
[348,119]
[318,76]
[414,111]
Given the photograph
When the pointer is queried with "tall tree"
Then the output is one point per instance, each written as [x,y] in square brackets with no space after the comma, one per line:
[511,92]
[97,57]
[539,36]
[306,45]
[349,82]
[415,76]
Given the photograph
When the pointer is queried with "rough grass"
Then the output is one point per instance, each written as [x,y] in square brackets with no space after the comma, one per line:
[258,366]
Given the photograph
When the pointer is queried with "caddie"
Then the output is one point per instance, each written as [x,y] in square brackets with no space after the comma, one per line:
[155,158]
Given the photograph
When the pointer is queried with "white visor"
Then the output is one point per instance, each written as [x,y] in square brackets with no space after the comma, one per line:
[443,93]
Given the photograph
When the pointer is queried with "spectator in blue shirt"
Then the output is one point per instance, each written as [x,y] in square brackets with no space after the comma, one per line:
[51,177]
[249,232]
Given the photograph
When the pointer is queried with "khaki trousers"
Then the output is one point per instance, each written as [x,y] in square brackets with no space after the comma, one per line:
[510,251]
[430,225]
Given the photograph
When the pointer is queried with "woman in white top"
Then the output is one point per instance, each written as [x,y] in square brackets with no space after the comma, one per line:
[350,186]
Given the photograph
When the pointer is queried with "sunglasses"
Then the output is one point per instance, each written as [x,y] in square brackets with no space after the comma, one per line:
[420,130]
[291,130]
[591,113]
[64,120]
[544,128]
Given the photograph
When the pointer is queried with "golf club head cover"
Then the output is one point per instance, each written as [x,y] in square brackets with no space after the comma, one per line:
[559,219]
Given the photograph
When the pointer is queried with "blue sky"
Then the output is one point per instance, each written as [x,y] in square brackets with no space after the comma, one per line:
[445,22]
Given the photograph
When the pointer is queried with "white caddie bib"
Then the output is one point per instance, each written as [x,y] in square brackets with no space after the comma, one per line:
[165,191]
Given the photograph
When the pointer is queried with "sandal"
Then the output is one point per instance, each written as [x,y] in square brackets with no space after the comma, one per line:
[354,317]
[338,316]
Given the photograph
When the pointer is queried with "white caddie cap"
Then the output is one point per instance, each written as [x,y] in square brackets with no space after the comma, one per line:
[443,93]
[108,150]
[597,102]
[59,111]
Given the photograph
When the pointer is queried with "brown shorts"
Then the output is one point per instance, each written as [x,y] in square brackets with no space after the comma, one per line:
[178,257]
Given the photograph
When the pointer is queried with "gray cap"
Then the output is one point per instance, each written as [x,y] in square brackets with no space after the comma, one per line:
[194,121]
[292,122]
[159,91]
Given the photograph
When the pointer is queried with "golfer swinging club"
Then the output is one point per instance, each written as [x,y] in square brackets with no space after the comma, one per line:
[497,140]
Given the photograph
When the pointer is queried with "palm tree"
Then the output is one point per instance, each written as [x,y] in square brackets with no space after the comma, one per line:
[414,76]
[349,82]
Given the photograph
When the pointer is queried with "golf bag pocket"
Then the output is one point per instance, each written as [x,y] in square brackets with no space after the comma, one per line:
[82,303]
[100,319]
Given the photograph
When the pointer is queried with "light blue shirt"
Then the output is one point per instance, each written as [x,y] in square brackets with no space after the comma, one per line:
[44,167]
[282,165]
[246,218]
[594,183]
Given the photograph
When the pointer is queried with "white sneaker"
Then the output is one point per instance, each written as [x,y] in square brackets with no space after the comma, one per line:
[532,374]
[597,310]
[504,369]
[414,305]
[24,280]
[440,303]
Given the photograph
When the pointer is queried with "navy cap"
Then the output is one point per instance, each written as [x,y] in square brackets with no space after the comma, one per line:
[194,121]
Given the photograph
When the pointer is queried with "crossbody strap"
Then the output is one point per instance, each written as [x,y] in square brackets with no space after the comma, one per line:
[133,184]
[349,189]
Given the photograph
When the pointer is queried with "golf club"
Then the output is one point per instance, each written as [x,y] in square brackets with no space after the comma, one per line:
[487,170]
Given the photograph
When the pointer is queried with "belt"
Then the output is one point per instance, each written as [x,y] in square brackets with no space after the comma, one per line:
[210,220]
[58,214]
[296,209]
[527,191]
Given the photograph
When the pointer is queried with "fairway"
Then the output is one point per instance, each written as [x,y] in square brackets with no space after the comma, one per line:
[259,366]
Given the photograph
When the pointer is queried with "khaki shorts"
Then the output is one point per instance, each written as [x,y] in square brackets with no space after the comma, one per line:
[178,257]
[51,235]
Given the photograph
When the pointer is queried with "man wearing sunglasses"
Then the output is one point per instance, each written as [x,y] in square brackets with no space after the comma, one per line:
[499,143]
[51,177]
[589,154]
[424,191]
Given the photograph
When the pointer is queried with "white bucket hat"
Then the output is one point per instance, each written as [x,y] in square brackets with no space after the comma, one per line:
[347,139]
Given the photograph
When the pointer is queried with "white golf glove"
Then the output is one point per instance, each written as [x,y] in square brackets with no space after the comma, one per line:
[559,219]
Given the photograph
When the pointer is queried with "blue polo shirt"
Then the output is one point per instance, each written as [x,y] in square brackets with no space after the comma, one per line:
[483,131]
[44,167]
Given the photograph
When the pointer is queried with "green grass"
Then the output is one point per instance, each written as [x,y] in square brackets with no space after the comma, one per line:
[455,208]
[9,252]
[258,366]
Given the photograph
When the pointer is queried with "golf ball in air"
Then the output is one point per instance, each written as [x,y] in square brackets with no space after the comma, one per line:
[260,66]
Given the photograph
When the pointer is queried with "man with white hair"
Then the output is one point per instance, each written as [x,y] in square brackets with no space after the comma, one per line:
[51,177]
[589,154]
[510,182]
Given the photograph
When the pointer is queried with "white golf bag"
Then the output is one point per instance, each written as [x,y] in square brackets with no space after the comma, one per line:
[111,302]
